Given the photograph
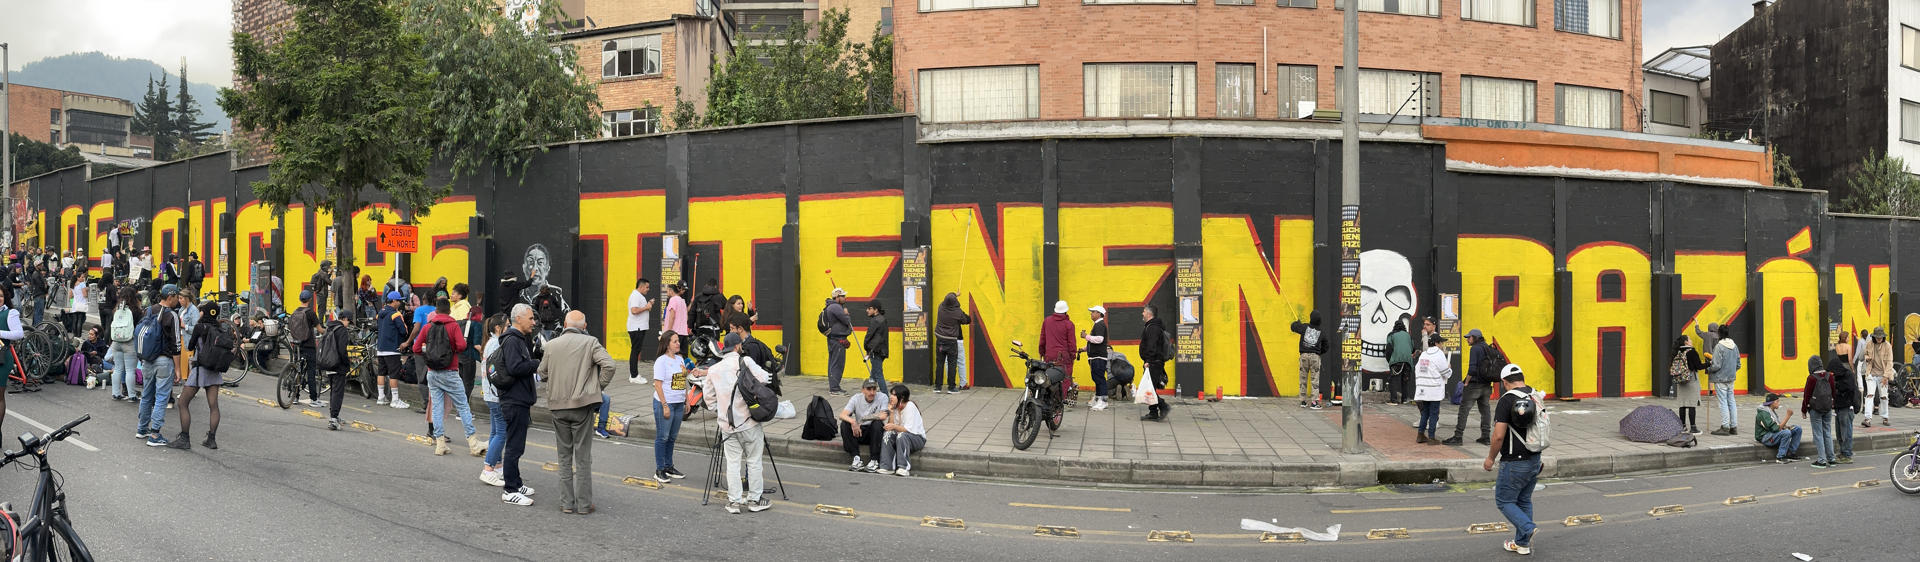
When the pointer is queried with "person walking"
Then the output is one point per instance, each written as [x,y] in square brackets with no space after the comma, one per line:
[906,433]
[1313,344]
[874,344]
[1816,404]
[1400,356]
[1154,353]
[1685,372]
[1096,348]
[496,326]
[639,317]
[1876,356]
[1772,429]
[947,335]
[336,334]
[1430,381]
[125,318]
[467,317]
[158,387]
[211,338]
[1056,345]
[1724,369]
[577,369]
[1519,465]
[195,274]
[516,402]
[836,325]
[1846,402]
[742,439]
[1482,376]
[439,345]
[671,373]
[393,332]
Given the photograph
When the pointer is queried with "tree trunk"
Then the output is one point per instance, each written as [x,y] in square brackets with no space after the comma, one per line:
[343,255]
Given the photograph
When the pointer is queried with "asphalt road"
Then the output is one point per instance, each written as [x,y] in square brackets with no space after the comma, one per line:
[283,487]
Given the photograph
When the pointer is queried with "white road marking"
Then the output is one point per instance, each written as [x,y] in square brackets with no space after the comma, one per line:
[45,429]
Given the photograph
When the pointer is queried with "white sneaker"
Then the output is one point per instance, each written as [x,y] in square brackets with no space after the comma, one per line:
[873,466]
[516,499]
[382,401]
[492,478]
[399,404]
[902,472]
[857,465]
[525,491]
[316,404]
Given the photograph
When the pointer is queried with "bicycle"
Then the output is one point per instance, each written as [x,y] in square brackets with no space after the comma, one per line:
[1905,472]
[47,533]
[360,354]
[293,378]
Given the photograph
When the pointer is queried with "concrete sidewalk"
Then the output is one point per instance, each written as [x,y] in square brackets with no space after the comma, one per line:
[1236,442]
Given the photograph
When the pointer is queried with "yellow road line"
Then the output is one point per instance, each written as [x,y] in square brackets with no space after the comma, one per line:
[1817,471]
[1636,493]
[1072,507]
[1390,509]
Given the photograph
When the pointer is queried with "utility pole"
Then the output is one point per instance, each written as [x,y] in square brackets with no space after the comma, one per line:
[1350,436]
[6,132]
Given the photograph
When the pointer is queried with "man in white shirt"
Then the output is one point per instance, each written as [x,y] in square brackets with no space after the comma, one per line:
[639,315]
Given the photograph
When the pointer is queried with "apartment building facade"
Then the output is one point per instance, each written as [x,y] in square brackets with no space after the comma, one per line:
[98,125]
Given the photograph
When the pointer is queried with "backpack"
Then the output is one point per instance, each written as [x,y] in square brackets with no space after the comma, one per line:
[299,326]
[146,343]
[820,425]
[215,352]
[1821,399]
[1541,431]
[822,322]
[122,330]
[497,372]
[1681,372]
[762,403]
[438,349]
[332,354]
[1118,368]
[1496,361]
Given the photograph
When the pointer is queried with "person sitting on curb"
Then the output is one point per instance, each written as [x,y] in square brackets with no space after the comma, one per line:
[863,422]
[1772,430]
[906,433]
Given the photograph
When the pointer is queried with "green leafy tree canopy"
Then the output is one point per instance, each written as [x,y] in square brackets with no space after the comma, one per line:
[806,72]
[154,118]
[32,157]
[1882,186]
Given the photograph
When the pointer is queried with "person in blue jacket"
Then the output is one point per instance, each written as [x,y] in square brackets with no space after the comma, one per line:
[393,331]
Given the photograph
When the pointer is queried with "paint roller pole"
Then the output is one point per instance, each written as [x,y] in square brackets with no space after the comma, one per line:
[1350,436]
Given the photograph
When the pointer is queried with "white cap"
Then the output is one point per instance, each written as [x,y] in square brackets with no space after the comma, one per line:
[839,292]
[1097,308]
[1059,307]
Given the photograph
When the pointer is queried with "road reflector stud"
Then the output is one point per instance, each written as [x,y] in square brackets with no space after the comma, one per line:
[418,438]
[1674,509]
[1804,492]
[1867,483]
[550,467]
[1287,537]
[312,414]
[1170,536]
[1578,520]
[1383,534]
[834,510]
[1484,528]
[266,402]
[648,483]
[943,522]
[363,426]
[1055,531]
[1737,500]
[228,392]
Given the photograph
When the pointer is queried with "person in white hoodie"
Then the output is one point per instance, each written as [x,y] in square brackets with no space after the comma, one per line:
[742,439]
[1430,374]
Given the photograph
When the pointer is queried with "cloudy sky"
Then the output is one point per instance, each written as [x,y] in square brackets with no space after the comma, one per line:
[165,30]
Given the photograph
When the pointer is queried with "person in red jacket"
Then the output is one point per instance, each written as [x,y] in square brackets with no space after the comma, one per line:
[443,381]
[1057,343]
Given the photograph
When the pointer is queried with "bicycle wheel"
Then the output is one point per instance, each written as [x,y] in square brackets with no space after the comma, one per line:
[63,544]
[286,389]
[1905,473]
[364,373]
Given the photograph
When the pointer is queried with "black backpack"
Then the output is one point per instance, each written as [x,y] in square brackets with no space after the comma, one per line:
[215,352]
[1821,399]
[300,326]
[438,350]
[761,401]
[332,354]
[821,425]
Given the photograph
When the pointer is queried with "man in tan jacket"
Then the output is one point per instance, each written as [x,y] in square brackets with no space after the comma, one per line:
[1877,355]
[576,369]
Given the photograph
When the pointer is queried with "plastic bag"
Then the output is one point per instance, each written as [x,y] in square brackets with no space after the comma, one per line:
[1332,534]
[1144,394]
[785,411]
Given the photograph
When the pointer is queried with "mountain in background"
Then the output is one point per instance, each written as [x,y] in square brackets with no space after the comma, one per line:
[99,74]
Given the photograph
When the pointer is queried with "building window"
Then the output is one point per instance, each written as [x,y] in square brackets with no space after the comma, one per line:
[53,116]
[979,94]
[1299,3]
[1496,99]
[1909,121]
[85,127]
[1516,12]
[55,136]
[1393,92]
[1408,7]
[1581,106]
[1910,47]
[630,122]
[939,5]
[1592,17]
[1669,108]
[1299,90]
[1233,90]
[1140,90]
[886,20]
[766,24]
[1237,2]
[630,56]
[1136,1]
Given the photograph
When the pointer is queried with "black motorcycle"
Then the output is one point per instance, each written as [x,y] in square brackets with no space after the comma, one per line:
[1041,402]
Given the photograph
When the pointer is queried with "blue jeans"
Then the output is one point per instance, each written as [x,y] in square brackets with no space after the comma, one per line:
[1843,432]
[1785,441]
[606,407]
[1513,494]
[877,371]
[156,390]
[1098,366]
[442,386]
[1822,435]
[1429,418]
[1723,395]
[497,436]
[666,432]
[124,362]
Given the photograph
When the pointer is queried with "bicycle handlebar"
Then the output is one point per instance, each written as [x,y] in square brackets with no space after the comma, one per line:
[61,434]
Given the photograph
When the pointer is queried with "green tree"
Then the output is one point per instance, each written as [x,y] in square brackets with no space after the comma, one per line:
[32,157]
[188,130]
[154,118]
[1883,186]
[807,72]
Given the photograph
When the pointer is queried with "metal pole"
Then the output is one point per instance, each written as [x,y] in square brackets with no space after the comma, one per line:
[1350,437]
[6,132]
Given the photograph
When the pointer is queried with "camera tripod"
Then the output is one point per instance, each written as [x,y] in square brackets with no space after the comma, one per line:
[716,467]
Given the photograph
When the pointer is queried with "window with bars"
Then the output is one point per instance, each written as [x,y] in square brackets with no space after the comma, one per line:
[630,56]
[1395,92]
[1909,121]
[630,122]
[1515,12]
[1668,108]
[1592,17]
[1581,106]
[1298,87]
[1496,99]
[1233,87]
[939,5]
[979,94]
[1407,7]
[1140,90]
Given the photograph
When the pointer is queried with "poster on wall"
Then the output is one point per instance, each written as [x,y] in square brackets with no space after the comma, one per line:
[1186,288]
[669,265]
[913,288]
[1450,322]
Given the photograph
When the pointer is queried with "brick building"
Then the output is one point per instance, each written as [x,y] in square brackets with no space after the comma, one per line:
[97,125]
[761,18]
[1571,62]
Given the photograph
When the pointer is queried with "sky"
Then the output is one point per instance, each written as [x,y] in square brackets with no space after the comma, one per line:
[165,30]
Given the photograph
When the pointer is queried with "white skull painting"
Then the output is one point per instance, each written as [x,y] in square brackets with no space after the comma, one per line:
[1387,294]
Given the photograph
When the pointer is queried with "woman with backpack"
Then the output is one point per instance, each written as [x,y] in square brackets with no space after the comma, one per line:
[124,318]
[211,340]
[1685,372]
[670,373]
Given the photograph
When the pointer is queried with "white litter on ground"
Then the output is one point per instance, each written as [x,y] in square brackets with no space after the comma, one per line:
[1803,557]
[1332,534]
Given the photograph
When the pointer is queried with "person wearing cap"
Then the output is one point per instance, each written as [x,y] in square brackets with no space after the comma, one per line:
[1723,369]
[393,332]
[1430,375]
[742,440]
[1816,404]
[1876,355]
[1480,380]
[1096,348]
[202,380]
[158,387]
[1056,343]
[863,422]
[1686,395]
[303,327]
[1773,430]
[836,325]
[193,273]
[1519,465]
[875,343]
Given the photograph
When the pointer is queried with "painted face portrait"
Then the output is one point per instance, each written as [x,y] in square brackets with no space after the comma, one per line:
[535,264]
